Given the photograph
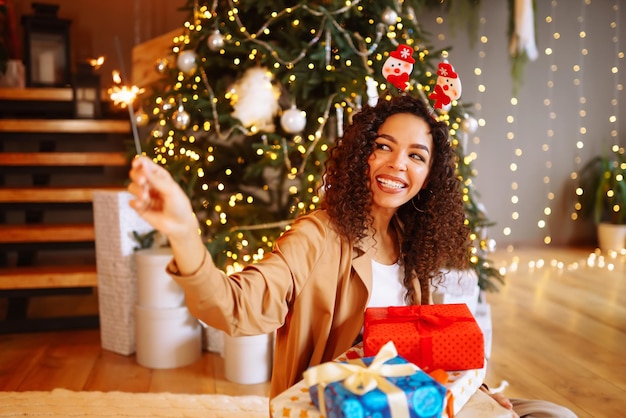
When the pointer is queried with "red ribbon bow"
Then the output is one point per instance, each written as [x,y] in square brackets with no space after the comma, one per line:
[440,97]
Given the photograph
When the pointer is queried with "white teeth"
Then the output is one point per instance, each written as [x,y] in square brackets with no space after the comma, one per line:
[390,183]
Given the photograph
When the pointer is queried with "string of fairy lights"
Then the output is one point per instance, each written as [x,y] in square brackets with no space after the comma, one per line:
[467,128]
[511,120]
[582,100]
[547,146]
[474,122]
[613,117]
[554,75]
[615,70]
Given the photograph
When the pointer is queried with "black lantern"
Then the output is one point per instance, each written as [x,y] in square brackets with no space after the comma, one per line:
[86,88]
[46,47]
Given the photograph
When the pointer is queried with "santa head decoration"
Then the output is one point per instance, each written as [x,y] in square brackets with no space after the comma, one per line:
[398,66]
[448,87]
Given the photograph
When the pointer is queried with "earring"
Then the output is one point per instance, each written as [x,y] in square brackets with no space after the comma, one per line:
[415,206]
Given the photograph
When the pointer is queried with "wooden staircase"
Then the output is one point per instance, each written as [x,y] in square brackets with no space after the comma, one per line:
[50,164]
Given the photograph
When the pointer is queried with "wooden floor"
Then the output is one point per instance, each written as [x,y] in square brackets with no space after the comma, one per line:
[559,335]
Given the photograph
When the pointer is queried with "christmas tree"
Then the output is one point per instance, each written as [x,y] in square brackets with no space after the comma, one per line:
[256,92]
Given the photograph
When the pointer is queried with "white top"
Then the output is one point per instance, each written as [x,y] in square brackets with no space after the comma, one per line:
[387,288]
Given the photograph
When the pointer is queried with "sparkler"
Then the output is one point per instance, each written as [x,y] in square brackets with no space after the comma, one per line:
[128,98]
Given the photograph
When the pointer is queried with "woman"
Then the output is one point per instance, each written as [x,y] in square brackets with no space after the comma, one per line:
[391,222]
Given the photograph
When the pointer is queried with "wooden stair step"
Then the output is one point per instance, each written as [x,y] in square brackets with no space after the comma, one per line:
[47,277]
[38,233]
[44,94]
[69,194]
[80,126]
[52,94]
[64,159]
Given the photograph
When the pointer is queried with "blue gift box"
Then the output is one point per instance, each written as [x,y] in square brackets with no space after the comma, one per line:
[425,397]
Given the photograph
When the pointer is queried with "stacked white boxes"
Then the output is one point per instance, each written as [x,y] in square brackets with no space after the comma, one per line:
[168,336]
[142,310]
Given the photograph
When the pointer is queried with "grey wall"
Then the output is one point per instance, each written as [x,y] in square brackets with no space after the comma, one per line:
[563,109]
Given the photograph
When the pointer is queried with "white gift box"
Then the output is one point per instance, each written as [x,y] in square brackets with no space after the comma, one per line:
[114,222]
[483,318]
[248,359]
[457,287]
[212,339]
[155,288]
[167,338]
[462,385]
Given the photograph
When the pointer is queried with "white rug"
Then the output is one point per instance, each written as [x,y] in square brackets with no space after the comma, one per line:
[66,403]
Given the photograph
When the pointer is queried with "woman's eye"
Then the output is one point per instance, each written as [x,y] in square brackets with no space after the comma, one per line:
[417,157]
[381,146]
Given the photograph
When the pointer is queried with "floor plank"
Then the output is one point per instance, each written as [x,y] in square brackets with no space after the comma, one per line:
[116,372]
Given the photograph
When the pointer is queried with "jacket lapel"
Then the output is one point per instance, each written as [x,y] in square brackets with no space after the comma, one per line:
[362,265]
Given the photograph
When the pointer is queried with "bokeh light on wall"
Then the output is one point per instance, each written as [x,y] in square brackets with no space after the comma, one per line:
[615,71]
[546,147]
[511,119]
[578,71]
[579,74]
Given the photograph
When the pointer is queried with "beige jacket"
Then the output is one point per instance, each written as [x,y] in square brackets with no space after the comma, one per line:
[313,289]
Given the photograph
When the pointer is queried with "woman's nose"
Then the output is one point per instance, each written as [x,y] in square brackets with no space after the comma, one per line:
[398,162]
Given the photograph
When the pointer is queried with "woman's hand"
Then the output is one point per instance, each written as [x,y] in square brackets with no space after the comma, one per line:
[501,399]
[160,200]
[165,206]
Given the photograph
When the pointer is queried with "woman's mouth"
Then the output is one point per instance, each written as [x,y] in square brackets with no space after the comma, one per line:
[390,184]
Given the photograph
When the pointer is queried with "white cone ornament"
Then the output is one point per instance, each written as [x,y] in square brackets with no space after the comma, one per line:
[448,87]
[523,37]
[372,91]
[186,62]
[293,120]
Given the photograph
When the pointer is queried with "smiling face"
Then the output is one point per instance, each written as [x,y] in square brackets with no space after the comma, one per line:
[400,162]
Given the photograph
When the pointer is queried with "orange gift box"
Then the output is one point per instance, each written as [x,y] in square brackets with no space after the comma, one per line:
[431,336]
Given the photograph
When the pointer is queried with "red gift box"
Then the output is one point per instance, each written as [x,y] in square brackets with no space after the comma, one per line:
[431,336]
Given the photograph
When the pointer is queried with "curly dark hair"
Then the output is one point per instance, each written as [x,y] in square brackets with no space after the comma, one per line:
[435,235]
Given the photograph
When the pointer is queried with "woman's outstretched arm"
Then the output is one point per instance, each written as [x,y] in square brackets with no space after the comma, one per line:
[163,204]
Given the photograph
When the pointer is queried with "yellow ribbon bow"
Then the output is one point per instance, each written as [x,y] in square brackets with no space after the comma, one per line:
[360,379]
